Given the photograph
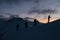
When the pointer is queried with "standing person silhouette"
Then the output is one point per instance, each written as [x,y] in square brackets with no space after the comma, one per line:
[35,22]
[26,24]
[49,18]
[17,27]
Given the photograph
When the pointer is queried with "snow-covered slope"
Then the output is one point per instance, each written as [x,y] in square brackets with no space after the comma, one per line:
[48,31]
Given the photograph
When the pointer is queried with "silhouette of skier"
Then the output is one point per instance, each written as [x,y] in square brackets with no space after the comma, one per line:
[17,27]
[35,22]
[26,24]
[49,18]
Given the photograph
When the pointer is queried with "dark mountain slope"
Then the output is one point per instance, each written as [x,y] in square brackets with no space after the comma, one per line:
[50,31]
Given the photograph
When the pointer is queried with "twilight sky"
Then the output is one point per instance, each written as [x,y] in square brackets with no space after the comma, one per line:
[31,8]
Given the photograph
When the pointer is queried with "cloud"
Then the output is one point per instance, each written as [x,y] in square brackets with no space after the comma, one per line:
[44,11]
[18,0]
[28,18]
[48,11]
[13,1]
[1,16]
[10,1]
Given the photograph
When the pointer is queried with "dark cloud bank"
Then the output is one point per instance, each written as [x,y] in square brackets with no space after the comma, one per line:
[38,11]
[44,11]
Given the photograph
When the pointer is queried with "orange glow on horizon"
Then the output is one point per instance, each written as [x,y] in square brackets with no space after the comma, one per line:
[46,20]
[43,20]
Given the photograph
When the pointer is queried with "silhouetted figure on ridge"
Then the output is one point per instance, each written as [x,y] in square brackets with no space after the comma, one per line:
[26,24]
[49,18]
[35,22]
[17,27]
